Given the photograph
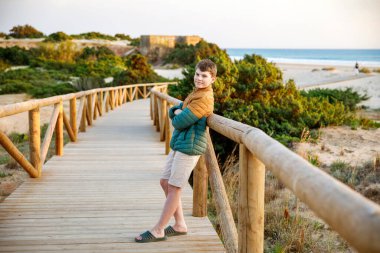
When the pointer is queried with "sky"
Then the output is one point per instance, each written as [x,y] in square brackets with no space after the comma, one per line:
[335,24]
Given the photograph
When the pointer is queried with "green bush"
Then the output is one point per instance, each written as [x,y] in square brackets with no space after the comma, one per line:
[51,90]
[123,36]
[135,42]
[348,97]
[182,54]
[57,37]
[14,87]
[25,31]
[92,36]
[15,55]
[3,66]
[138,70]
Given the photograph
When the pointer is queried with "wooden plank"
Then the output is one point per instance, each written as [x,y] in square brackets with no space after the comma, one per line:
[101,194]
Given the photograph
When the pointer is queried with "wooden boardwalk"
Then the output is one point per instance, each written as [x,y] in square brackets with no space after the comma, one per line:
[101,194]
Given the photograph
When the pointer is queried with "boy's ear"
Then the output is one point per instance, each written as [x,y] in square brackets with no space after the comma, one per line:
[213,79]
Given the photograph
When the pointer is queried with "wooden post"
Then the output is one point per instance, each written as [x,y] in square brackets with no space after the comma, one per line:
[156,114]
[200,186]
[73,117]
[137,93]
[59,132]
[151,107]
[35,140]
[94,104]
[168,134]
[163,119]
[116,97]
[223,208]
[154,109]
[89,109]
[251,202]
[256,188]
[101,103]
[243,199]
[144,92]
[106,101]
[82,126]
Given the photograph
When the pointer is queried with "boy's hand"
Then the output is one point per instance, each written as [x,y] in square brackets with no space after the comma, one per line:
[178,111]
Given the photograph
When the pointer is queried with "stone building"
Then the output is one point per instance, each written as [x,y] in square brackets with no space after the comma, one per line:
[157,46]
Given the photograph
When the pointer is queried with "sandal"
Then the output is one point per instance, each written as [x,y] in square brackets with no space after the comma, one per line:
[169,231]
[147,236]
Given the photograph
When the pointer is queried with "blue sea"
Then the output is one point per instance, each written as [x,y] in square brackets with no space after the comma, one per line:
[343,57]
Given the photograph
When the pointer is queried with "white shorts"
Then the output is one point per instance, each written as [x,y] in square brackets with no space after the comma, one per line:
[178,168]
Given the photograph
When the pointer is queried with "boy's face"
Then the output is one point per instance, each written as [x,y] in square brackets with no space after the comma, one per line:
[203,79]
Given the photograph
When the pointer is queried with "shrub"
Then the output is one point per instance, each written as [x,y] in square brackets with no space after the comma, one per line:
[93,35]
[15,55]
[365,70]
[329,69]
[25,31]
[123,36]
[51,90]
[2,35]
[66,51]
[138,70]
[95,53]
[135,42]
[14,87]
[348,97]
[3,65]
[182,54]
[57,37]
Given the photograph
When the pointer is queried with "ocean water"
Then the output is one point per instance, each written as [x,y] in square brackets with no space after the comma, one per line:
[343,57]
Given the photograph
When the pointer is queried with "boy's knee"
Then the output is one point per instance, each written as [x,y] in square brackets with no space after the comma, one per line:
[164,183]
[173,188]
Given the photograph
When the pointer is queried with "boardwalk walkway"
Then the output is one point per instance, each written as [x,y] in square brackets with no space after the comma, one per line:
[100,194]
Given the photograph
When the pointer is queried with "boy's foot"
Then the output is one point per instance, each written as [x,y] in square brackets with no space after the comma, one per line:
[170,231]
[147,236]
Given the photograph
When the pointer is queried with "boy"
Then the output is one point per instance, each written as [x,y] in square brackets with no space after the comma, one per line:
[188,143]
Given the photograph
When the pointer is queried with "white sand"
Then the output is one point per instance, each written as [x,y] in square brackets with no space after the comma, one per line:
[170,73]
[342,77]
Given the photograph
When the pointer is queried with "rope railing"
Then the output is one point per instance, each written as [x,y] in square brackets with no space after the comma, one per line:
[354,217]
[93,103]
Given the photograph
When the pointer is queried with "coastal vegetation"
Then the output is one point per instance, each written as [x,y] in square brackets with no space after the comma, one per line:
[57,66]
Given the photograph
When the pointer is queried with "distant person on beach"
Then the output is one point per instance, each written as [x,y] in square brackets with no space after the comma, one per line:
[356,70]
[188,143]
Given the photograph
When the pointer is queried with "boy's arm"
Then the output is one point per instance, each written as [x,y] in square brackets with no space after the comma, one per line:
[173,109]
[184,119]
[198,108]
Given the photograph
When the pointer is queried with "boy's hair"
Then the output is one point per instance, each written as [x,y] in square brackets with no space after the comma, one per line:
[207,65]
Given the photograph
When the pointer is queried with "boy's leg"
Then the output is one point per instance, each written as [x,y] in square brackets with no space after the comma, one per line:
[171,204]
[180,224]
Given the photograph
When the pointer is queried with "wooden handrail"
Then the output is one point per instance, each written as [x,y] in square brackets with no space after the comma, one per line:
[354,217]
[92,103]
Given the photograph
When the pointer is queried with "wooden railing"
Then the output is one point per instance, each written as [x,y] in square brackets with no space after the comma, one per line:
[354,217]
[93,103]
